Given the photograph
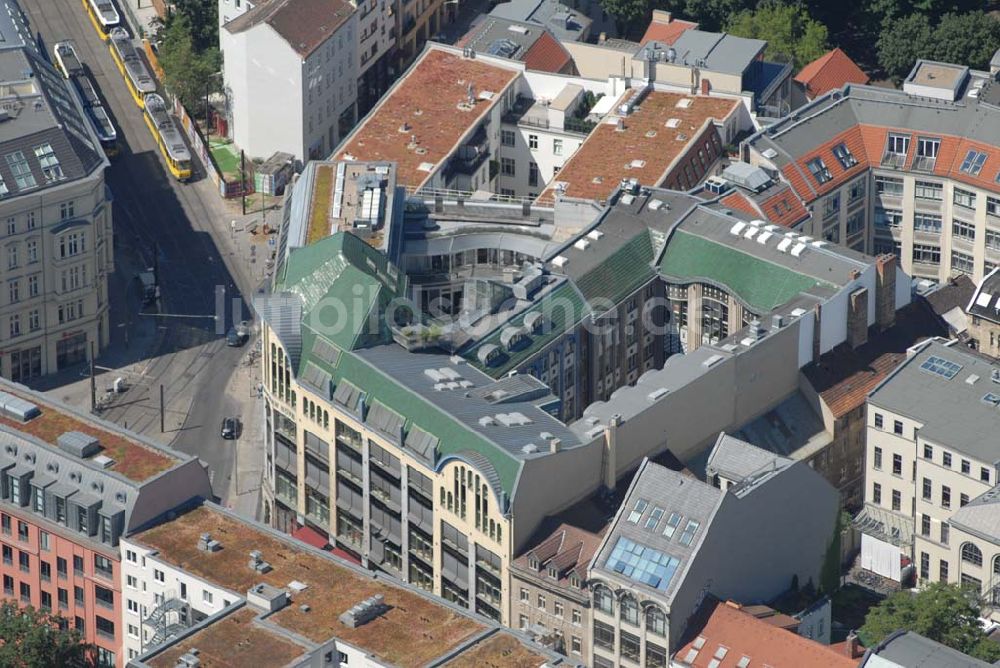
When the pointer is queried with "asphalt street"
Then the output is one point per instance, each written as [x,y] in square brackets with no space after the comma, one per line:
[185,227]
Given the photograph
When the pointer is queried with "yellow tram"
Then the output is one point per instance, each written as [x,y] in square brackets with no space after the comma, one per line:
[168,137]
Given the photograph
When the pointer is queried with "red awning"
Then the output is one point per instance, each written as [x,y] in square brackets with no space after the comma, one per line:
[343,554]
[310,536]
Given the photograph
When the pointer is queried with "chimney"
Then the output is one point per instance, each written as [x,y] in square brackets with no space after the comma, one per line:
[855,274]
[852,647]
[611,447]
[885,291]
[706,86]
[817,322]
[661,16]
[555,445]
[857,318]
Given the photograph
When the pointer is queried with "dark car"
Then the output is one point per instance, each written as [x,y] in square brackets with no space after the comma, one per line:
[230,427]
[238,335]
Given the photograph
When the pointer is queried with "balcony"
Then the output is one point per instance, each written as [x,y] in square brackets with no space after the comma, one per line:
[924,163]
[893,160]
[488,567]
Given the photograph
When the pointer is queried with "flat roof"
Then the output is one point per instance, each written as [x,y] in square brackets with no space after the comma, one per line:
[953,411]
[234,640]
[644,150]
[499,649]
[414,630]
[427,105]
[133,459]
[937,75]
[720,52]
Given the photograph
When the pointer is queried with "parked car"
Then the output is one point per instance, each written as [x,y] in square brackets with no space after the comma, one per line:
[230,428]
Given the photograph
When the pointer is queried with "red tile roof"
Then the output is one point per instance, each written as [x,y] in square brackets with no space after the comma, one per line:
[644,150]
[783,207]
[743,635]
[547,55]
[666,32]
[828,72]
[426,103]
[304,24]
[740,202]
[843,377]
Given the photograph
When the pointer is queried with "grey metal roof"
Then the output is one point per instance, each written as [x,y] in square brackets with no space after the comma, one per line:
[533,246]
[565,23]
[985,302]
[620,224]
[283,314]
[503,37]
[981,515]
[907,649]
[952,411]
[43,119]
[719,51]
[671,492]
[746,175]
[737,460]
[467,405]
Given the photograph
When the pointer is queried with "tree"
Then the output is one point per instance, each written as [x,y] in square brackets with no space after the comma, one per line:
[33,639]
[902,42]
[788,29]
[188,72]
[203,17]
[968,39]
[628,13]
[943,612]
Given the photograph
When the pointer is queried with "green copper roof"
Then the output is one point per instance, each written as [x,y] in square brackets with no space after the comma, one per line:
[342,280]
[621,274]
[562,308]
[453,436]
[761,284]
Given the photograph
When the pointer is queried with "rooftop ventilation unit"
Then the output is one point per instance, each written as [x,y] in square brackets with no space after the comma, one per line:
[995,375]
[529,449]
[797,250]
[560,261]
[764,236]
[784,244]
[103,461]
[267,597]
[716,185]
[189,659]
[208,544]
[769,153]
[364,612]
[658,393]
[78,444]
[17,408]
[595,235]
[581,244]
[257,562]
[737,228]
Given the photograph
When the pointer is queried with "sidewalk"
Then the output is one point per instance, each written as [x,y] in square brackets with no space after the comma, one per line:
[248,467]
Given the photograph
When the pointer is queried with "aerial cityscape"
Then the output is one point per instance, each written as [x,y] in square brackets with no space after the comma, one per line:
[500,334]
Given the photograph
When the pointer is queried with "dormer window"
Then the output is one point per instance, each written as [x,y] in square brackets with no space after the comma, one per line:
[574,580]
[553,573]
[533,563]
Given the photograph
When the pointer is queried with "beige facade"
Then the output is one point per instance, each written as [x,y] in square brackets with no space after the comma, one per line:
[57,256]
[441,530]
[537,601]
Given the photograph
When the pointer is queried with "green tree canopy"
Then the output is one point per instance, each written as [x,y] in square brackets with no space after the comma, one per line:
[33,639]
[943,612]
[902,42]
[188,72]
[203,17]
[788,29]
[630,15]
[969,39]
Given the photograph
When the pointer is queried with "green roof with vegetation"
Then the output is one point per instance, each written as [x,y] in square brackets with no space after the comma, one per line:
[621,274]
[345,286]
[761,284]
[562,308]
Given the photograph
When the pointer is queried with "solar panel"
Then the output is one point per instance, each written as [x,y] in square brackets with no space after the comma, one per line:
[642,564]
[941,367]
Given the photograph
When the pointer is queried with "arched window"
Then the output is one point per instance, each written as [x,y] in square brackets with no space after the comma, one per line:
[629,610]
[996,565]
[972,554]
[604,600]
[656,621]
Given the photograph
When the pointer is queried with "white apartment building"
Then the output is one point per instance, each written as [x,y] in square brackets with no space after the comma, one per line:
[56,215]
[911,172]
[931,451]
[291,73]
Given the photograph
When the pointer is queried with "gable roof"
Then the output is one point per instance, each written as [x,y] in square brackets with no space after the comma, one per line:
[547,54]
[304,24]
[666,31]
[742,635]
[831,70]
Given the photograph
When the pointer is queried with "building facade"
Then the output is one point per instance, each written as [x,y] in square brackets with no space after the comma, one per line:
[72,488]
[304,52]
[57,236]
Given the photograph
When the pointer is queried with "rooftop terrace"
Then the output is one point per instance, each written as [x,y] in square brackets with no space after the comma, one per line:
[654,135]
[414,631]
[426,114]
[133,460]
[233,641]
